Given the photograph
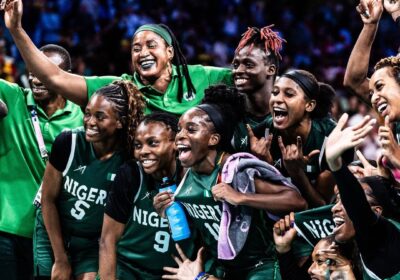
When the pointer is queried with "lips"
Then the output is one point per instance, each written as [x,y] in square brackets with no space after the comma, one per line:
[280,115]
[184,152]
[339,222]
[90,132]
[147,163]
[382,108]
[146,64]
[240,81]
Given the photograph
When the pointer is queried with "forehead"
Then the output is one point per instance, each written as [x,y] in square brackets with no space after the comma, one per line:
[322,244]
[145,36]
[194,115]
[256,53]
[284,82]
[99,103]
[380,74]
[151,128]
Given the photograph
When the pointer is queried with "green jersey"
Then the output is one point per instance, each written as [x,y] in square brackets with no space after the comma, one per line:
[85,185]
[241,141]
[194,193]
[22,166]
[319,132]
[202,77]
[146,244]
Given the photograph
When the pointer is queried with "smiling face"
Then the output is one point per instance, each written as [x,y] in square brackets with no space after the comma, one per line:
[151,56]
[39,91]
[250,70]
[344,229]
[155,148]
[319,269]
[195,138]
[288,104]
[100,120]
[385,94]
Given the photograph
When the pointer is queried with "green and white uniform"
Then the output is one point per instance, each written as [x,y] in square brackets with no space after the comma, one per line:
[241,141]
[85,185]
[202,77]
[146,244]
[257,259]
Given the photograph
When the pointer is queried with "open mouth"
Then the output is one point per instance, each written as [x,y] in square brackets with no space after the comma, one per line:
[240,81]
[146,163]
[183,151]
[91,132]
[339,221]
[147,63]
[382,107]
[279,114]
[39,91]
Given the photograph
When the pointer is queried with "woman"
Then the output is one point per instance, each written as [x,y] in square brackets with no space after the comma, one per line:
[205,132]
[135,242]
[300,122]
[377,238]
[81,168]
[160,69]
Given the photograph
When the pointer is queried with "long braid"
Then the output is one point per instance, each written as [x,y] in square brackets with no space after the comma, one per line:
[266,37]
[181,65]
[129,104]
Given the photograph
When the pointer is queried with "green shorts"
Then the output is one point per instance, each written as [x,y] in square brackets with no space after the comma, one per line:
[83,253]
[42,252]
[126,271]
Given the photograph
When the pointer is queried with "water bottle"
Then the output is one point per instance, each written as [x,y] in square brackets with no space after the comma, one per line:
[175,214]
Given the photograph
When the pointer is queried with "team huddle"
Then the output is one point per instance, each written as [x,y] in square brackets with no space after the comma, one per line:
[271,185]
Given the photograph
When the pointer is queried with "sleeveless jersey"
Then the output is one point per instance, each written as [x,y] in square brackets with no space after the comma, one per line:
[194,193]
[86,182]
[147,243]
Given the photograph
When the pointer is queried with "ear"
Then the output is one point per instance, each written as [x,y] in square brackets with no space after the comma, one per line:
[377,209]
[121,122]
[170,52]
[270,69]
[310,105]
[214,140]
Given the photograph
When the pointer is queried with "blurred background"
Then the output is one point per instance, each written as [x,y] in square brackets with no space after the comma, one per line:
[319,33]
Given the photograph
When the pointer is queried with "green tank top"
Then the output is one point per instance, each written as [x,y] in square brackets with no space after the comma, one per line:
[85,185]
[194,193]
[147,243]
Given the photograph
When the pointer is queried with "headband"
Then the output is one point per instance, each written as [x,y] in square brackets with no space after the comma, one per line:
[159,30]
[215,116]
[310,88]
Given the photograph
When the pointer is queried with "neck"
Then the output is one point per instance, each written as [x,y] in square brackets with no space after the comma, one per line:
[168,172]
[160,83]
[50,106]
[302,129]
[207,165]
[105,149]
[258,101]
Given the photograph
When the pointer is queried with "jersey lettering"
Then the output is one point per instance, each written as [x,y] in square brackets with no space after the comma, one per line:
[85,193]
[147,218]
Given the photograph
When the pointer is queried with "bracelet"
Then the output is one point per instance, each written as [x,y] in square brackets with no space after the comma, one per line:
[202,276]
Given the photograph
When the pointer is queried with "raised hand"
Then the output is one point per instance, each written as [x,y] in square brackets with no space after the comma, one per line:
[342,139]
[392,7]
[161,201]
[187,269]
[224,192]
[366,170]
[370,11]
[284,233]
[293,157]
[13,14]
[260,147]
[339,266]
[390,148]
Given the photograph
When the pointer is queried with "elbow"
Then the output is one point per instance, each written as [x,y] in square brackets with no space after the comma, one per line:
[300,204]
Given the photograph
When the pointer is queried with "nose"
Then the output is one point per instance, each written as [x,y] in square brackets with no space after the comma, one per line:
[90,120]
[144,150]
[336,208]
[374,98]
[311,269]
[144,51]
[180,135]
[239,69]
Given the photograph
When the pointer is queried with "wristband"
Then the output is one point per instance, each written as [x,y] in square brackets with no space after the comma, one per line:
[200,275]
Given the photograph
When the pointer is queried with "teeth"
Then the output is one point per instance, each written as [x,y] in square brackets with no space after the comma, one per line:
[240,81]
[279,110]
[180,146]
[147,63]
[338,221]
[148,161]
[382,107]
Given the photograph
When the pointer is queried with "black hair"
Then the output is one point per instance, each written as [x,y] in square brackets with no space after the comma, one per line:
[230,104]
[66,64]
[322,93]
[266,39]
[350,251]
[129,104]
[181,66]
[168,119]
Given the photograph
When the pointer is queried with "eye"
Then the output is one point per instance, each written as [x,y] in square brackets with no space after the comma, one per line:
[249,65]
[136,49]
[379,86]
[235,65]
[86,115]
[137,146]
[275,91]
[153,143]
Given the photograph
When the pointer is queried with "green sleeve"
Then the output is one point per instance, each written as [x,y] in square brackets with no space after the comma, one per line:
[95,82]
[218,75]
[10,93]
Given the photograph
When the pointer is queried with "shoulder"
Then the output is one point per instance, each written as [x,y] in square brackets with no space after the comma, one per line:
[323,126]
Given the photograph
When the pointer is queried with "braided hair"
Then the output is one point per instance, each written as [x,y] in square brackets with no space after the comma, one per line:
[129,104]
[182,67]
[169,120]
[265,39]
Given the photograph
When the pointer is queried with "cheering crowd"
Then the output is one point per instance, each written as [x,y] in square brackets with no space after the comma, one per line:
[270,175]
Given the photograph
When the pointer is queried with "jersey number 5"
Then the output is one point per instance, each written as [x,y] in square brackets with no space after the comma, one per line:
[78,212]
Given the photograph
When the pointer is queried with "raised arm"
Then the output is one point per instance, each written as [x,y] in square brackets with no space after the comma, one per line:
[355,77]
[52,181]
[71,86]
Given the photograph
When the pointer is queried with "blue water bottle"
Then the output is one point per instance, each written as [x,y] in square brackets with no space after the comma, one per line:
[175,214]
